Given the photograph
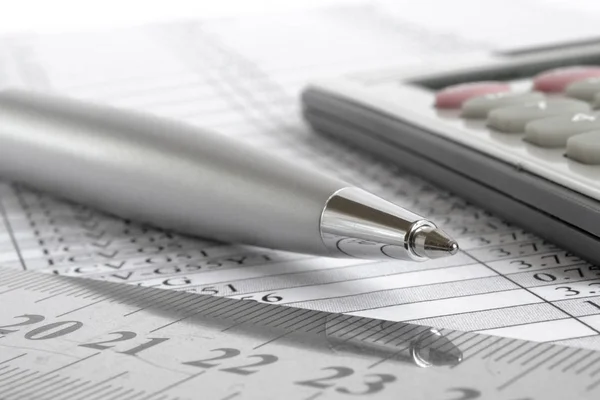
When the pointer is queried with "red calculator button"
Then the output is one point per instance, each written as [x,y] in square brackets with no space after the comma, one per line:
[555,80]
[453,96]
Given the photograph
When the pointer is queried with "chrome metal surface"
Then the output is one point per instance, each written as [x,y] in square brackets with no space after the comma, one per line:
[358,224]
[433,243]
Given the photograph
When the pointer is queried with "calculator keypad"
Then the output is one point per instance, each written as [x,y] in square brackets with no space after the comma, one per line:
[554,111]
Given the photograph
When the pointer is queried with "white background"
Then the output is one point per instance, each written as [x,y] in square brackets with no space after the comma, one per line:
[68,15]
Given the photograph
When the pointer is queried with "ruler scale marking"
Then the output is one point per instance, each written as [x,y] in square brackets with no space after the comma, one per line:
[221,311]
[192,302]
[593,386]
[314,396]
[388,357]
[175,301]
[587,366]
[466,350]
[125,393]
[394,331]
[578,361]
[154,296]
[144,298]
[537,355]
[244,308]
[531,369]
[32,384]
[9,371]
[60,390]
[365,344]
[67,292]
[216,308]
[302,324]
[500,348]
[277,319]
[44,285]
[138,297]
[231,396]
[131,396]
[290,318]
[532,347]
[87,395]
[358,328]
[400,335]
[13,381]
[38,389]
[262,317]
[81,308]
[238,309]
[175,384]
[22,280]
[565,358]
[103,395]
[94,385]
[250,311]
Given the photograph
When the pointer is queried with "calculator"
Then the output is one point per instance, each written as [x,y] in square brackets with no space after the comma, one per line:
[517,133]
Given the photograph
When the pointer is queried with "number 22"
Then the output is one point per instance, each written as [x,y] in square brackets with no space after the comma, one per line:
[265,359]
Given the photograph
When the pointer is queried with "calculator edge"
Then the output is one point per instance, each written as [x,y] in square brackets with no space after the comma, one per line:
[548,209]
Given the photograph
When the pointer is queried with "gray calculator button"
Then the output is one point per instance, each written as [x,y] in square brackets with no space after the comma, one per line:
[480,106]
[596,102]
[512,119]
[554,131]
[584,90]
[585,148]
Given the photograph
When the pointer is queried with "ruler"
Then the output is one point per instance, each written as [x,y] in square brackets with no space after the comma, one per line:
[67,339]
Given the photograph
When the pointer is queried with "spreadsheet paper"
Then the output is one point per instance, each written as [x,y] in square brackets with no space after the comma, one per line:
[242,78]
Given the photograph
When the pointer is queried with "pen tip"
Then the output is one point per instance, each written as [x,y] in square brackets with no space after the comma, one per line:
[434,243]
[453,248]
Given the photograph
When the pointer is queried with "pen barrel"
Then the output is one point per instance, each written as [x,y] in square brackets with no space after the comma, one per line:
[164,172]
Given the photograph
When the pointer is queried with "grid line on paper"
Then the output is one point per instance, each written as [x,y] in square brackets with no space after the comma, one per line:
[270,113]
[540,297]
[11,234]
[250,69]
[249,105]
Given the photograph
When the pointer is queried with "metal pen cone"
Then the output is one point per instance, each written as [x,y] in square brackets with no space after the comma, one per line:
[359,224]
[434,243]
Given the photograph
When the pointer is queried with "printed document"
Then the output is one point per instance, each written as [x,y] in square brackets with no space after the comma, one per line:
[242,78]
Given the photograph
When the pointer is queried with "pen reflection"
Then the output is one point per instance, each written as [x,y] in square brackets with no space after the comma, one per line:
[393,341]
[376,341]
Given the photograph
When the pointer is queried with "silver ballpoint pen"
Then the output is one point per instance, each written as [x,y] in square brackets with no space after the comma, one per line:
[178,176]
